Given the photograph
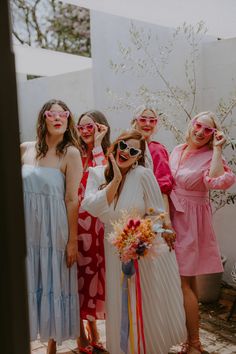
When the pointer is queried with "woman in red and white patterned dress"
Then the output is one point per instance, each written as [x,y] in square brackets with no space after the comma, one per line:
[94,138]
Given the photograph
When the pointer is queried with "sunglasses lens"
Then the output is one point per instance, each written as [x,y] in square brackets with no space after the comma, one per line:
[197,126]
[208,131]
[89,127]
[64,114]
[153,121]
[142,120]
[48,114]
[122,145]
[133,152]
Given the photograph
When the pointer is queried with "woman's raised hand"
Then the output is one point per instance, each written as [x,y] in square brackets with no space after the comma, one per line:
[219,139]
[100,132]
[117,174]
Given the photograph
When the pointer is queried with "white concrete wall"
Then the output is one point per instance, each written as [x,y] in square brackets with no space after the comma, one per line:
[106,33]
[216,76]
[75,89]
[219,73]
[86,90]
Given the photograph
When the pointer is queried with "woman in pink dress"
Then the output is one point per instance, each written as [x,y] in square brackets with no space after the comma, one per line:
[197,167]
[94,139]
[145,120]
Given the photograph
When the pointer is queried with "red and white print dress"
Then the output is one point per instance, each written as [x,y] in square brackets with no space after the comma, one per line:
[91,264]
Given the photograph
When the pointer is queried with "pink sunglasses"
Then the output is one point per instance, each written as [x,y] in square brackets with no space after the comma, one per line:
[207,131]
[89,127]
[51,115]
[144,120]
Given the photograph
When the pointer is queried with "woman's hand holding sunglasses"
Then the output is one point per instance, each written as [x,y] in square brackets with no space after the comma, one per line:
[99,133]
[219,139]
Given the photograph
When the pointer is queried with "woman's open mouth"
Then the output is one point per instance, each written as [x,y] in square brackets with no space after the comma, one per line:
[122,157]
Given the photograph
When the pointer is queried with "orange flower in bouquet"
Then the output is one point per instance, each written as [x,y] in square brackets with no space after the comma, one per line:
[134,237]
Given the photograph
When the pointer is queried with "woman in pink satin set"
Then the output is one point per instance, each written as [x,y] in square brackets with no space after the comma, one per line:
[197,167]
[145,120]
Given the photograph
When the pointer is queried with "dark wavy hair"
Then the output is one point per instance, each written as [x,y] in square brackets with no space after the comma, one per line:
[127,135]
[97,117]
[70,136]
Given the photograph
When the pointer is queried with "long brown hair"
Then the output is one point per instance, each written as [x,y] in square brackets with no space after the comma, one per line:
[130,134]
[70,136]
[97,117]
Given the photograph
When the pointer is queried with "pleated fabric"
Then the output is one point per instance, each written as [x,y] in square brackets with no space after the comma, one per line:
[52,287]
[162,300]
[163,311]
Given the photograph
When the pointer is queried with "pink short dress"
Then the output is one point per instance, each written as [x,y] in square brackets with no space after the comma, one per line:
[196,246]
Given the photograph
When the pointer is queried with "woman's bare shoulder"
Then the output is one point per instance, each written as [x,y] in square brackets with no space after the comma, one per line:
[72,152]
[26,145]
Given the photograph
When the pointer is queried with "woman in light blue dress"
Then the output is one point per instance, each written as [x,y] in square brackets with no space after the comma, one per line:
[51,172]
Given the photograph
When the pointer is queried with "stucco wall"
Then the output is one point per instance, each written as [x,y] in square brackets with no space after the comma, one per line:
[216,73]
[75,89]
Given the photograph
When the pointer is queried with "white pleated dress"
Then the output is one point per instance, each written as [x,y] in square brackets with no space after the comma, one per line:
[163,312]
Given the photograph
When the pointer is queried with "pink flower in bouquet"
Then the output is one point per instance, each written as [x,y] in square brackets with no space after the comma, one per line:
[133,224]
[134,237]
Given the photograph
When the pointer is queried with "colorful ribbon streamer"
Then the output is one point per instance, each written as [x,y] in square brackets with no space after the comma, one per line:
[126,330]
[139,306]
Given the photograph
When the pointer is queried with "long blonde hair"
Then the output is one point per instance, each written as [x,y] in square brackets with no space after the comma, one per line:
[210,115]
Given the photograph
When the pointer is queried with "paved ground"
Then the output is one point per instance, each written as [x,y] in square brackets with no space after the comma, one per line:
[218,335]
[214,344]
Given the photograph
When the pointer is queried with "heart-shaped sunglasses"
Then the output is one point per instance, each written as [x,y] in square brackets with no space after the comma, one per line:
[87,127]
[145,120]
[207,131]
[52,115]
[122,146]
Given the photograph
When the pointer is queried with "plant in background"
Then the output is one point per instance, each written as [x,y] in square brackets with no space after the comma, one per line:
[64,28]
[178,104]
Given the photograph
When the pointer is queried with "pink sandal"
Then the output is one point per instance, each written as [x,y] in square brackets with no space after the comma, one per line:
[184,348]
[99,347]
[88,349]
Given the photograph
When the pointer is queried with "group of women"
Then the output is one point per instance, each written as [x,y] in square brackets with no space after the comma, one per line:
[76,183]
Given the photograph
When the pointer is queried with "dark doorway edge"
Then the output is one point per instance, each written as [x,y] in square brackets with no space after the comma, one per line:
[13,299]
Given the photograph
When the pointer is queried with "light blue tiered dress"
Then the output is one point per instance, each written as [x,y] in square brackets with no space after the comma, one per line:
[52,287]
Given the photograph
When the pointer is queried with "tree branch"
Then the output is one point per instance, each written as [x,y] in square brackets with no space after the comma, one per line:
[18,37]
[233,104]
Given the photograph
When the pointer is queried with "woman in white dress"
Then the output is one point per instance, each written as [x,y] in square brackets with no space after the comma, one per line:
[126,184]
